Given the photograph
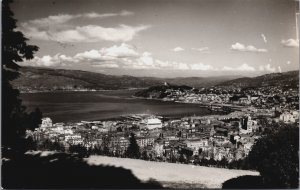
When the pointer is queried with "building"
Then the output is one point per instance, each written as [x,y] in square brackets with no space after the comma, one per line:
[144,141]
[153,123]
[286,117]
[46,122]
[195,145]
[247,125]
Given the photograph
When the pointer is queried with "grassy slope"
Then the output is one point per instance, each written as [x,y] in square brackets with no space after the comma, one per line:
[173,175]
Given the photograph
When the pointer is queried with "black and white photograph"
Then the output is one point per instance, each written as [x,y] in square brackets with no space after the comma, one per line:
[150,94]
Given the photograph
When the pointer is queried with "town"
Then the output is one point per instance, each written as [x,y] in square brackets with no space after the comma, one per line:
[228,99]
[225,138]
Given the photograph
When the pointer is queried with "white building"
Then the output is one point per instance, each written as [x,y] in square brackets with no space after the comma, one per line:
[195,145]
[46,122]
[153,123]
[286,117]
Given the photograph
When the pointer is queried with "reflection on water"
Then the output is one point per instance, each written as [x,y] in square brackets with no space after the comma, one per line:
[77,106]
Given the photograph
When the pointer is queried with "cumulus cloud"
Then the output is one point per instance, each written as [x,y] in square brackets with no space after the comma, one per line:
[290,43]
[57,28]
[267,68]
[123,56]
[202,67]
[93,56]
[243,67]
[177,49]
[264,38]
[124,50]
[49,61]
[202,50]
[147,59]
[181,66]
[107,54]
[241,47]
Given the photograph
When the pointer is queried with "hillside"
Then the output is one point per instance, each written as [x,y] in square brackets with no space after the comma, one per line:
[46,79]
[161,91]
[199,82]
[43,79]
[286,80]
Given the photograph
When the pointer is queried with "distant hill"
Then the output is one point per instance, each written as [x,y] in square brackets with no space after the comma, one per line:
[46,79]
[161,91]
[287,80]
[283,80]
[57,79]
[199,82]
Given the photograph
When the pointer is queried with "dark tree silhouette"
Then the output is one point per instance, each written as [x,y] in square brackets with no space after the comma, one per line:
[145,155]
[133,150]
[49,145]
[67,171]
[15,120]
[276,157]
[79,149]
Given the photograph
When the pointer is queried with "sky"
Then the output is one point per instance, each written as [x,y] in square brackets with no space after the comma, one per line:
[162,38]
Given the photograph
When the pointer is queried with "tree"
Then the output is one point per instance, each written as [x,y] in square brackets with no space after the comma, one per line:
[276,157]
[182,158]
[80,149]
[105,145]
[133,150]
[145,155]
[14,49]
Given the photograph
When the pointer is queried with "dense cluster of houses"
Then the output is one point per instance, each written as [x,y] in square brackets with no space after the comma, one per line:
[260,97]
[229,137]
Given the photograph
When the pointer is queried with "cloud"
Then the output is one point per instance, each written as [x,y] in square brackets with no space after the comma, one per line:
[58,28]
[107,54]
[147,59]
[243,67]
[181,66]
[104,55]
[202,67]
[96,15]
[124,50]
[290,43]
[264,38]
[241,47]
[177,49]
[49,61]
[202,50]
[108,66]
[63,18]
[267,68]
[123,56]
[88,33]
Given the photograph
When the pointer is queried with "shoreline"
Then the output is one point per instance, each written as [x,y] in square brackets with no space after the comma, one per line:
[66,91]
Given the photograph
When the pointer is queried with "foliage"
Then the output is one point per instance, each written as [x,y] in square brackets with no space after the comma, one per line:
[49,145]
[15,120]
[133,150]
[144,155]
[276,157]
[79,149]
[66,171]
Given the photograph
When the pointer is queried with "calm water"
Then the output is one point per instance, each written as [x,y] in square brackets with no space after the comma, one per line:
[77,106]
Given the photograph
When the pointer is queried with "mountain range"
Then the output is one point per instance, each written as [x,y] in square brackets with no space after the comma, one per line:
[46,79]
